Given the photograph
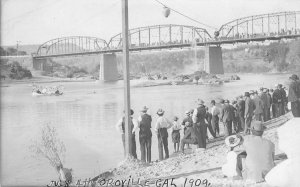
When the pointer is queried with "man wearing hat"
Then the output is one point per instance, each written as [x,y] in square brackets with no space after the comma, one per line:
[121,128]
[264,98]
[199,123]
[226,116]
[240,107]
[294,95]
[260,154]
[161,128]
[282,103]
[145,134]
[259,107]
[215,117]
[276,98]
[249,110]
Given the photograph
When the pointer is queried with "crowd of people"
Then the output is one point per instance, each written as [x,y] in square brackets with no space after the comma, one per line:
[243,116]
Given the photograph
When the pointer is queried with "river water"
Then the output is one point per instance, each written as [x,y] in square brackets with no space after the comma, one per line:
[85,118]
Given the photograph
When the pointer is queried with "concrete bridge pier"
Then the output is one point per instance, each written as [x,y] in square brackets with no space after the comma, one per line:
[108,67]
[39,64]
[213,62]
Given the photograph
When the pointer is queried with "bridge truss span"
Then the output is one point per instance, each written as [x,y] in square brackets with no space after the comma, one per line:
[71,45]
[161,36]
[261,26]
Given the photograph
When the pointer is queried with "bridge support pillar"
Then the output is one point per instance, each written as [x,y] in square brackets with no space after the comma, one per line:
[108,67]
[213,62]
[39,64]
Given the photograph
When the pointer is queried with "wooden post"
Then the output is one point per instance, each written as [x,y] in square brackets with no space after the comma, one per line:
[128,129]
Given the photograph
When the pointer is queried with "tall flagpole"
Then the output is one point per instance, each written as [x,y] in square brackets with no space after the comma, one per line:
[128,129]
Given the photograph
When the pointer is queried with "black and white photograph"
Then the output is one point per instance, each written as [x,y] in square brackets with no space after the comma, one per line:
[150,93]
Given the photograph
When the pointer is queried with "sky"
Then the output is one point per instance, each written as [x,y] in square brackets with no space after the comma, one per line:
[37,21]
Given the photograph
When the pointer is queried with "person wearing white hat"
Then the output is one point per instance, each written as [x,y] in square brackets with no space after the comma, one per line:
[145,135]
[230,168]
[161,129]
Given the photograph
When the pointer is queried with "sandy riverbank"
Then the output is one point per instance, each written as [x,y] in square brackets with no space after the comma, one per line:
[198,164]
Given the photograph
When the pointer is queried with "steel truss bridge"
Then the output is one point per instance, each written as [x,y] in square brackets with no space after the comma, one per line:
[259,28]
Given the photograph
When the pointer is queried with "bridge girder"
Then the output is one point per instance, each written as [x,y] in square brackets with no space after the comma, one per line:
[272,24]
[71,44]
[159,35]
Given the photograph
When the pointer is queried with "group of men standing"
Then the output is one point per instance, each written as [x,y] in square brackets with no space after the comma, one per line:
[236,117]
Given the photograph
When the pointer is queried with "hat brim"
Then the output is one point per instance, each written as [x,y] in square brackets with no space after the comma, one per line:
[160,113]
[237,141]
[144,110]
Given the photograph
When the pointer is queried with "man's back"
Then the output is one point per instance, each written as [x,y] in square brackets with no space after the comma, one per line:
[258,105]
[226,113]
[249,106]
[260,157]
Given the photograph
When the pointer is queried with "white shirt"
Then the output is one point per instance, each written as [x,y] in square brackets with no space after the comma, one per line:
[162,122]
[119,125]
[176,125]
[215,111]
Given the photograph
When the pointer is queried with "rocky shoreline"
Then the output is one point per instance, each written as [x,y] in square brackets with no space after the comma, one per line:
[197,164]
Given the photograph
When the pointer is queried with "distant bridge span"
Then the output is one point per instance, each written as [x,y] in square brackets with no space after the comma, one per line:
[256,28]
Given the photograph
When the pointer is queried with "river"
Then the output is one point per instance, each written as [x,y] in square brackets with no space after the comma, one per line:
[85,118]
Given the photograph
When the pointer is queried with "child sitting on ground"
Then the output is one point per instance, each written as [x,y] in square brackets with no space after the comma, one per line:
[230,168]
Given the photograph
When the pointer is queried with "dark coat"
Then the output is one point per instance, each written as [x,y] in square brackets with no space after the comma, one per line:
[249,107]
[190,134]
[293,92]
[241,108]
[259,106]
[227,113]
[276,97]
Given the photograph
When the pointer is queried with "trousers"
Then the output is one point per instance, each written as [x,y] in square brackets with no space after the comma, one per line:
[133,143]
[295,106]
[145,146]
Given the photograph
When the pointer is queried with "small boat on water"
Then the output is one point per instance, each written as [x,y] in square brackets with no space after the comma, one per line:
[47,91]
[46,94]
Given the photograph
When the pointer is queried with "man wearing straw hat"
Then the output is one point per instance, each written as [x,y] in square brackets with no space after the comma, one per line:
[260,154]
[161,128]
[145,134]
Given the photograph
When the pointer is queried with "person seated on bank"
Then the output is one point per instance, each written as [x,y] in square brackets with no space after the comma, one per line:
[120,126]
[190,136]
[176,134]
[230,169]
[260,154]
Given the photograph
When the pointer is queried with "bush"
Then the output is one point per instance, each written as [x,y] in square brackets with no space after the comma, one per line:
[18,72]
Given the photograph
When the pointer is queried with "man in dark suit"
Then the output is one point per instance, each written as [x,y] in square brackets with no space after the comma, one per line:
[282,103]
[241,112]
[249,111]
[227,117]
[294,95]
